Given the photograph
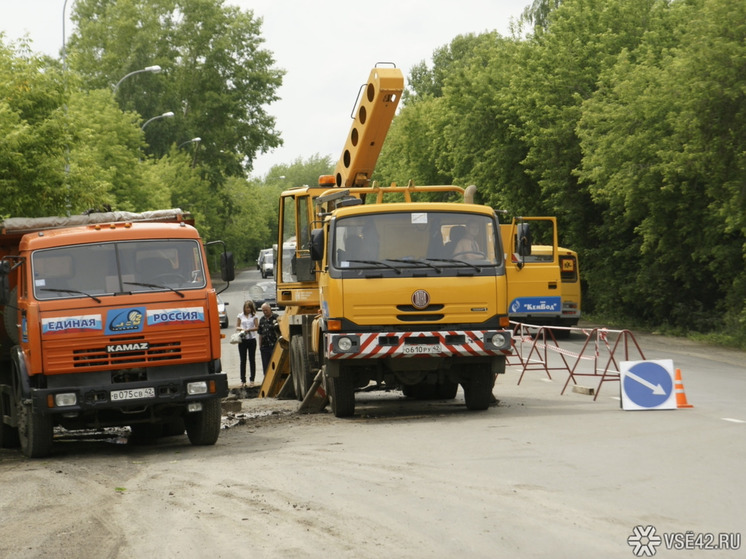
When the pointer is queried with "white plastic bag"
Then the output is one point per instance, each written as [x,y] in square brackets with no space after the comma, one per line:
[236,338]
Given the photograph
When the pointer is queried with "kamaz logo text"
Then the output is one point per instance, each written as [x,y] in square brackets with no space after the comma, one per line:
[123,348]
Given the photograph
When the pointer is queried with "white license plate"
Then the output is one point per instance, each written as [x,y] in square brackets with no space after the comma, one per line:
[420,349]
[132,394]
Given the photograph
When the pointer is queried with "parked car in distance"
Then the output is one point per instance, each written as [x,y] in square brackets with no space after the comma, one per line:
[264,292]
[265,262]
[222,313]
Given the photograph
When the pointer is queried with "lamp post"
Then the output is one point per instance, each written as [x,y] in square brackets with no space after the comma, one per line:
[152,69]
[195,140]
[168,114]
[64,48]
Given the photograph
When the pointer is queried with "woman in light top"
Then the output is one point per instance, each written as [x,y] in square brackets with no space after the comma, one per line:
[247,323]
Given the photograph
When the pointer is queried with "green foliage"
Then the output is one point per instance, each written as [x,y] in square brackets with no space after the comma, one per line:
[216,78]
[624,118]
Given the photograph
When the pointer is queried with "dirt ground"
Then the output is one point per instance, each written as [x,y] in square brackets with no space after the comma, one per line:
[536,475]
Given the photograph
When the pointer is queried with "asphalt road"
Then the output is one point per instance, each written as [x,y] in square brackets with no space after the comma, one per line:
[538,474]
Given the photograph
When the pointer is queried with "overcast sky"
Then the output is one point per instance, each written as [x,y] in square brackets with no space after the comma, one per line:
[327,48]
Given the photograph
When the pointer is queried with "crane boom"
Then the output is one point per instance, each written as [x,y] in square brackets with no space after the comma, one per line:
[369,127]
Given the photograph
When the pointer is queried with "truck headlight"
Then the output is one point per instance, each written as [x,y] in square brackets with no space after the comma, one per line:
[197,388]
[498,340]
[344,343]
[65,399]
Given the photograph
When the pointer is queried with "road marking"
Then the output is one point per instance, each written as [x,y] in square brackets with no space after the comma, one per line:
[733,420]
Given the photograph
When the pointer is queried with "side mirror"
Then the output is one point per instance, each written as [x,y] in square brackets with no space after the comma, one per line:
[317,245]
[523,240]
[227,267]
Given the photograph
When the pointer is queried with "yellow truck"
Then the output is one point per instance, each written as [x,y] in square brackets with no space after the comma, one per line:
[377,286]
[543,277]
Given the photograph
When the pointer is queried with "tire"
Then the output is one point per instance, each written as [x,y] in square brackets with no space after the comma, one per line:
[203,428]
[342,394]
[300,368]
[478,389]
[34,430]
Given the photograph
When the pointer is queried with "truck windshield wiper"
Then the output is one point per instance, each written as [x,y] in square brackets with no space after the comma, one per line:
[415,261]
[376,263]
[59,290]
[155,286]
[455,261]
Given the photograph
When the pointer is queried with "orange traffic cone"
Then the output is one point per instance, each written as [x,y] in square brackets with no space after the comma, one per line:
[680,394]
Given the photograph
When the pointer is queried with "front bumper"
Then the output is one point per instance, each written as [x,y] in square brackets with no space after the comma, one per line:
[100,397]
[442,344]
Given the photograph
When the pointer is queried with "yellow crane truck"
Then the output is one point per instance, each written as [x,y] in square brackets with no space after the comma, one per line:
[383,288]
[109,319]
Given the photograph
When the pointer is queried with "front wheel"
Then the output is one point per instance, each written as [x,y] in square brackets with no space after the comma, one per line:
[478,389]
[341,391]
[203,427]
[34,431]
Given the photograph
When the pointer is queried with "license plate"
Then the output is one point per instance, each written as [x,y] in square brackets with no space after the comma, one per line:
[421,349]
[132,394]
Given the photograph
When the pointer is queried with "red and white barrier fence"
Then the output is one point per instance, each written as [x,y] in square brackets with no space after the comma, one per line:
[598,358]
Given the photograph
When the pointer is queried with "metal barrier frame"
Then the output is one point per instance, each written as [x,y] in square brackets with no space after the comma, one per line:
[543,341]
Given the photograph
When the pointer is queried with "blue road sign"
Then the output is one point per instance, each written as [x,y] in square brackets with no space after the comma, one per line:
[647,385]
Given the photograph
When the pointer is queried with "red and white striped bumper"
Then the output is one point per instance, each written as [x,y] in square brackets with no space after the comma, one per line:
[450,343]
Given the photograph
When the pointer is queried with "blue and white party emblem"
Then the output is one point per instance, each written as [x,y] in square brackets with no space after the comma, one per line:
[647,385]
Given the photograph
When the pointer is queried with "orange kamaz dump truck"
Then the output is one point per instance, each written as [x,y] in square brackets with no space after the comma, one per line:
[109,319]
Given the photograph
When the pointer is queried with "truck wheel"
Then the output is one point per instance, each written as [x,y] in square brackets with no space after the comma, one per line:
[478,389]
[34,431]
[299,368]
[203,428]
[342,394]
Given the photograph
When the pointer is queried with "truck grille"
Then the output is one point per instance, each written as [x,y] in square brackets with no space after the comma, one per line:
[98,357]
[104,353]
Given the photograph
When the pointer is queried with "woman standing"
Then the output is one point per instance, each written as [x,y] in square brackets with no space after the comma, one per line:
[247,323]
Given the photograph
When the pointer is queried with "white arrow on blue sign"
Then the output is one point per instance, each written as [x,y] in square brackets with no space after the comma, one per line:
[647,385]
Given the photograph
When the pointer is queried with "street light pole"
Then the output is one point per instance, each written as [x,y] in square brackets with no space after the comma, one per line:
[152,69]
[197,140]
[169,114]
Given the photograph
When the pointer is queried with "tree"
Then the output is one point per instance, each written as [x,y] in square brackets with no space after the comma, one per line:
[216,77]
[62,150]
[663,148]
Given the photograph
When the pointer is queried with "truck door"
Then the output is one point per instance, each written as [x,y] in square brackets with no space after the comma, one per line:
[534,283]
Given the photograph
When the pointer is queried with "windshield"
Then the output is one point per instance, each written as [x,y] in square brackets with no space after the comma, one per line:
[406,239]
[122,267]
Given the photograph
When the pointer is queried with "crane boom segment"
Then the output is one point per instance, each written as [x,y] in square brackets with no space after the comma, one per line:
[369,127]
